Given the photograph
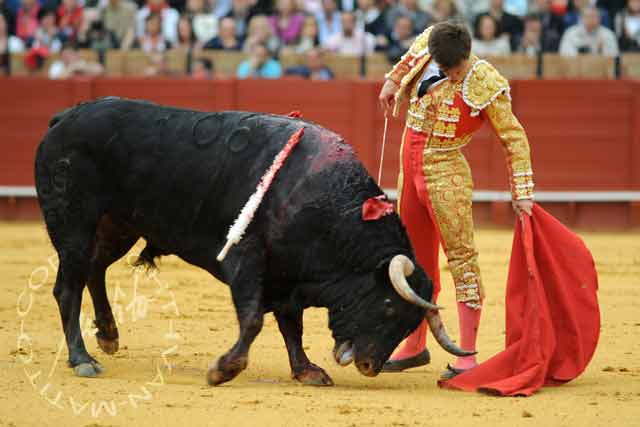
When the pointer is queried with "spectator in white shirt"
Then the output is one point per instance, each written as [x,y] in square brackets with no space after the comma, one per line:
[627,26]
[421,19]
[204,23]
[351,41]
[152,40]
[589,37]
[8,43]
[487,42]
[329,21]
[71,64]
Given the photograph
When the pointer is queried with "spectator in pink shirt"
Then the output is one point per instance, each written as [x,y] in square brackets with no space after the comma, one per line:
[27,19]
[287,23]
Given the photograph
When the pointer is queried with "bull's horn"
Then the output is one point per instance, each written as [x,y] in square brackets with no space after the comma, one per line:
[400,268]
[439,333]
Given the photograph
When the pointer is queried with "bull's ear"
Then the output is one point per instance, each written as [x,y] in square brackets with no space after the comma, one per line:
[383,265]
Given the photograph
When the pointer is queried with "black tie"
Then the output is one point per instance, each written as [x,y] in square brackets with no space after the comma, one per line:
[425,84]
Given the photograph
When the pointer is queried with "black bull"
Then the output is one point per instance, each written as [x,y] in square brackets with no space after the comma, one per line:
[112,171]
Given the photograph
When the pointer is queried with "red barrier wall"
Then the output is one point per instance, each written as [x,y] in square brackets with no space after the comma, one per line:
[584,134]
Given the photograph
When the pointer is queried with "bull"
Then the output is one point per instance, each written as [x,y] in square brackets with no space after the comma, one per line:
[112,171]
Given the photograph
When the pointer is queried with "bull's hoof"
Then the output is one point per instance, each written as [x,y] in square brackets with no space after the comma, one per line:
[88,369]
[215,376]
[225,370]
[107,345]
[313,375]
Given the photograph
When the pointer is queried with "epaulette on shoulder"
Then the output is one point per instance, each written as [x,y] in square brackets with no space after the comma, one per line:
[421,46]
[482,85]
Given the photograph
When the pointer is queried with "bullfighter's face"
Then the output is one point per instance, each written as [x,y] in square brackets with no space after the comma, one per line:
[370,324]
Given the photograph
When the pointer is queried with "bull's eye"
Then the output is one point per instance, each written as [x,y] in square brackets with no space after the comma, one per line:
[388,307]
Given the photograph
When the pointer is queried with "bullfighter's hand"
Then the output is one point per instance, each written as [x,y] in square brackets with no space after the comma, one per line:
[520,206]
[387,96]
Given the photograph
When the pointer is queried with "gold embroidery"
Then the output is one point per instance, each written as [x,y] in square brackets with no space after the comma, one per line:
[483,84]
[407,63]
[449,185]
[448,114]
[445,130]
[514,139]
[441,144]
[446,172]
[416,59]
[433,108]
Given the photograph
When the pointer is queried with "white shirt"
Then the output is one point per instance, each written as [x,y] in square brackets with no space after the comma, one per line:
[15,44]
[170,18]
[496,47]
[205,27]
[360,43]
[602,41]
[56,69]
[431,70]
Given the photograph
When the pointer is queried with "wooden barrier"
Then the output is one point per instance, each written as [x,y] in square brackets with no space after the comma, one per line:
[135,62]
[377,66]
[517,66]
[582,66]
[630,63]
[344,67]
[19,68]
[225,63]
[584,134]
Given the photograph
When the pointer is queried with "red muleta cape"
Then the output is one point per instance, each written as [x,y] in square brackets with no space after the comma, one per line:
[553,319]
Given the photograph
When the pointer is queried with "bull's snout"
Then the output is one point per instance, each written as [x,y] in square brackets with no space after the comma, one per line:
[367,367]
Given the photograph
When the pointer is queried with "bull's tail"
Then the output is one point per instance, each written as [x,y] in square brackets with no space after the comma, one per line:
[66,192]
[147,257]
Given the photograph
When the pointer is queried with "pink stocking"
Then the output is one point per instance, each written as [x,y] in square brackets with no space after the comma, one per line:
[469,319]
[414,344]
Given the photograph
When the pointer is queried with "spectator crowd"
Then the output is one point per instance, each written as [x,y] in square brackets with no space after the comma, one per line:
[266,29]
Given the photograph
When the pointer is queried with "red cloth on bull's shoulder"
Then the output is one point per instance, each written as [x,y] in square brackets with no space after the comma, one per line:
[553,318]
[376,207]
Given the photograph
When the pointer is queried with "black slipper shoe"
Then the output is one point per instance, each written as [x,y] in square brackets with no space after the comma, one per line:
[419,359]
[451,372]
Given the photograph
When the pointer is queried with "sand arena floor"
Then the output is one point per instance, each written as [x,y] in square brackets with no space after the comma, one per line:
[181,320]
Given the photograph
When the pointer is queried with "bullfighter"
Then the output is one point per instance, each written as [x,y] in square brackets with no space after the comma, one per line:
[451,94]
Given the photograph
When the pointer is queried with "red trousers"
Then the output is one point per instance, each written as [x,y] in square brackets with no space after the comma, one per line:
[415,208]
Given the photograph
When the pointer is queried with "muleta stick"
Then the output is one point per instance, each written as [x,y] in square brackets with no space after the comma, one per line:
[384,142]
[236,231]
